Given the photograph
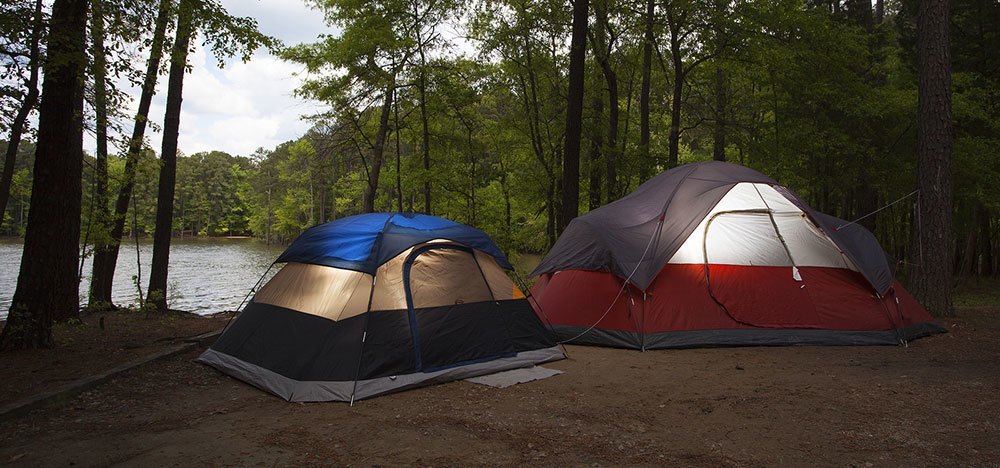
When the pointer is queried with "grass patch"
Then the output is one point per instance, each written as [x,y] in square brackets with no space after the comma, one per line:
[977,292]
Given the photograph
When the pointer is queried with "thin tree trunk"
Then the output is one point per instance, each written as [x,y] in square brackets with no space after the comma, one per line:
[267,222]
[530,93]
[426,142]
[611,78]
[30,100]
[399,176]
[157,291]
[678,88]
[368,203]
[985,267]
[932,276]
[596,147]
[47,288]
[322,203]
[106,257]
[574,116]
[645,164]
[100,215]
[719,142]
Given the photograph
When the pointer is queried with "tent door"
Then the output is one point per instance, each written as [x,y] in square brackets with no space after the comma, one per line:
[750,272]
[454,318]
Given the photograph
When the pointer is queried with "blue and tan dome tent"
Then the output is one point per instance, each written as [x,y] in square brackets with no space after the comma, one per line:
[381,302]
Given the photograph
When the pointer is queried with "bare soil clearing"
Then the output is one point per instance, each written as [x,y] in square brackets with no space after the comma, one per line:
[84,348]
[934,403]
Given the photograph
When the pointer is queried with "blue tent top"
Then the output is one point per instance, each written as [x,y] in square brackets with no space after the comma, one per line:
[363,242]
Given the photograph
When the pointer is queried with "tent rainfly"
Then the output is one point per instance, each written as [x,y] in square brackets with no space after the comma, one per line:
[381,302]
[716,254]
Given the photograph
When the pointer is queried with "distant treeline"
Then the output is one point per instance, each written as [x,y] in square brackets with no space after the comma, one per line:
[821,96]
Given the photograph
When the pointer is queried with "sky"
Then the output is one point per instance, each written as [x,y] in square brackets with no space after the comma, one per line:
[243,106]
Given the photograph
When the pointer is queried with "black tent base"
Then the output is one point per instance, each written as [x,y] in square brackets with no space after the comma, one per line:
[741,337]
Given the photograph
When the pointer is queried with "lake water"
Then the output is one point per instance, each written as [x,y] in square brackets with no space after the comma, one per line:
[205,276]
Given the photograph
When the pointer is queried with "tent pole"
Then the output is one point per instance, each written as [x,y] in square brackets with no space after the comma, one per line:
[528,295]
[364,337]
[642,331]
[655,236]
[239,308]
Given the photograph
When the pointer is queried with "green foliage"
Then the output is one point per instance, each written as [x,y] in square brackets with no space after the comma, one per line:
[822,99]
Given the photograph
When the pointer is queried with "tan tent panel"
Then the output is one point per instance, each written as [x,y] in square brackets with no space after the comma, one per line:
[442,277]
[389,291]
[501,284]
[463,277]
[325,291]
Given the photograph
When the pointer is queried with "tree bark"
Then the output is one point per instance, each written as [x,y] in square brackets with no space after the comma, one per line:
[985,267]
[21,118]
[425,134]
[596,146]
[101,216]
[399,175]
[47,287]
[106,256]
[931,281]
[157,291]
[574,117]
[368,203]
[645,164]
[719,141]
[611,78]
[677,61]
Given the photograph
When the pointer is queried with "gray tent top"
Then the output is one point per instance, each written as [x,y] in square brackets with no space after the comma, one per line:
[637,234]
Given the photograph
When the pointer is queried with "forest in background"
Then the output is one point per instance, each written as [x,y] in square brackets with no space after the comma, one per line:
[820,96]
[461,110]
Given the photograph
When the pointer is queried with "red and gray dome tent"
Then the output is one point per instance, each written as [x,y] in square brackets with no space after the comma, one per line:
[381,302]
[716,254]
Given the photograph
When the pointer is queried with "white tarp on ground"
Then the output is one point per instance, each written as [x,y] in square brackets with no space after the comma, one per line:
[515,376]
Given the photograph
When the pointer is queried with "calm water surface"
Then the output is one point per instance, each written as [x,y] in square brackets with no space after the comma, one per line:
[205,276]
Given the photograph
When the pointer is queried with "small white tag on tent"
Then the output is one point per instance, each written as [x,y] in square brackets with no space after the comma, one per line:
[512,377]
[795,274]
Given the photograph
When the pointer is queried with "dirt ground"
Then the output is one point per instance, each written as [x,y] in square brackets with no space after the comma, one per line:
[934,403]
[83,348]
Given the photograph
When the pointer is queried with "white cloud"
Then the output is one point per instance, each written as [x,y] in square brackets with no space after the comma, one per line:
[243,106]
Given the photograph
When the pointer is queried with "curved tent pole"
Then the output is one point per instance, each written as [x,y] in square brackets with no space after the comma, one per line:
[659,228]
[528,295]
[239,308]
[364,337]
[704,251]
[368,311]
[774,224]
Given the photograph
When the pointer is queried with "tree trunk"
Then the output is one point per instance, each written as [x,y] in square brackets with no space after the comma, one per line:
[985,267]
[399,175]
[932,276]
[106,257]
[574,116]
[645,164]
[368,203]
[719,142]
[604,60]
[677,61]
[157,291]
[27,105]
[267,221]
[101,216]
[596,145]
[47,287]
[426,142]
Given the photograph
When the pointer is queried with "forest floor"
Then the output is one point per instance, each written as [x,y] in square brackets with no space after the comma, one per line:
[936,402]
